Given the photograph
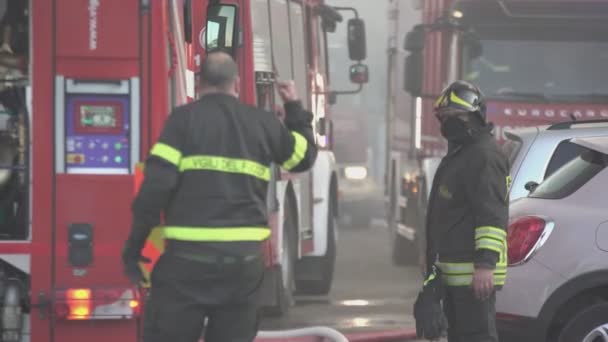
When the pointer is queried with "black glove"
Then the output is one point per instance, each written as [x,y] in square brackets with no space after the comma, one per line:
[431,322]
[130,259]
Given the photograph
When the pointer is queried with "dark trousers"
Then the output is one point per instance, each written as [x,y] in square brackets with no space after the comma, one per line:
[185,294]
[469,319]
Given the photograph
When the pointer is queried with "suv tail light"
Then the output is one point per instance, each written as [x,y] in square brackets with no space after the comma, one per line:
[525,236]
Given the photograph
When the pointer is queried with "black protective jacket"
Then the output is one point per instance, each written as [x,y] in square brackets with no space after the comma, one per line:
[467,215]
[209,172]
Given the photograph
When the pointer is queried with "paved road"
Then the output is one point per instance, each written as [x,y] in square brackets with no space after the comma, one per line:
[369,293]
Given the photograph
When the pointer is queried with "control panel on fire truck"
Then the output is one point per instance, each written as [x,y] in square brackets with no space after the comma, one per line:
[98,127]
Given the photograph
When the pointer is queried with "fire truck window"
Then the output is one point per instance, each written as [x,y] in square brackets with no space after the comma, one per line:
[570,69]
[281,45]
[299,39]
[262,49]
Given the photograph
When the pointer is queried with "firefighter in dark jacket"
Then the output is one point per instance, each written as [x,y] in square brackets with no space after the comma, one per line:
[208,173]
[467,216]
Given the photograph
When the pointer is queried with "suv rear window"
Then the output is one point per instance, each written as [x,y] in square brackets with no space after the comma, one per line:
[564,152]
[572,176]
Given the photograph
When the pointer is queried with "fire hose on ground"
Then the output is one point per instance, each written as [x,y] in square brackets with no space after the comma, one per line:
[317,334]
[325,332]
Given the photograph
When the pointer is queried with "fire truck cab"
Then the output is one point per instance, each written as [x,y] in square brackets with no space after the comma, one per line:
[85,88]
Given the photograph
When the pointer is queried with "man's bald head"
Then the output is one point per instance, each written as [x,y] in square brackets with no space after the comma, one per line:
[219,71]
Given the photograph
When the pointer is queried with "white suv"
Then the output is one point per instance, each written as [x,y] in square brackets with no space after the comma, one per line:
[557,281]
[536,152]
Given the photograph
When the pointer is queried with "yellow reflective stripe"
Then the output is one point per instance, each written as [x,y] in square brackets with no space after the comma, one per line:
[166,152]
[460,101]
[458,268]
[490,245]
[299,151]
[493,232]
[466,268]
[466,280]
[224,164]
[492,238]
[222,234]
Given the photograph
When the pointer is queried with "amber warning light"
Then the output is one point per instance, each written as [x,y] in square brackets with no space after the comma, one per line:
[90,304]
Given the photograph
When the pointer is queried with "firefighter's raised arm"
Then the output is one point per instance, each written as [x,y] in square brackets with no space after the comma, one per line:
[294,149]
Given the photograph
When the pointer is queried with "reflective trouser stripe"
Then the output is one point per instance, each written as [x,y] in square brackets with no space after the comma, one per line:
[461,274]
[166,152]
[220,234]
[224,164]
[299,151]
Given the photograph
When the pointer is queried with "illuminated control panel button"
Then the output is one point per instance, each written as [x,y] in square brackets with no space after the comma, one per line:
[118,159]
[105,145]
[91,145]
[75,158]
[105,159]
[118,146]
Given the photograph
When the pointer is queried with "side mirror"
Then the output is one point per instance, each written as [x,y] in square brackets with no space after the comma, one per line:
[414,40]
[221,31]
[531,186]
[357,46]
[359,74]
[413,74]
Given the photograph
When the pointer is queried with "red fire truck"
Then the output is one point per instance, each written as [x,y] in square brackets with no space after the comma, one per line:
[86,86]
[537,61]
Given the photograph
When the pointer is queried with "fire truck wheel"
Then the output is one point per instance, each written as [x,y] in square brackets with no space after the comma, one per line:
[321,284]
[286,286]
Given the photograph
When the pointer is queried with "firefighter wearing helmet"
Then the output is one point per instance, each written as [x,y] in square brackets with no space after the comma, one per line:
[467,218]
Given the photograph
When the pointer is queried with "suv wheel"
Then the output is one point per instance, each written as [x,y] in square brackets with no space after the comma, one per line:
[590,325]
